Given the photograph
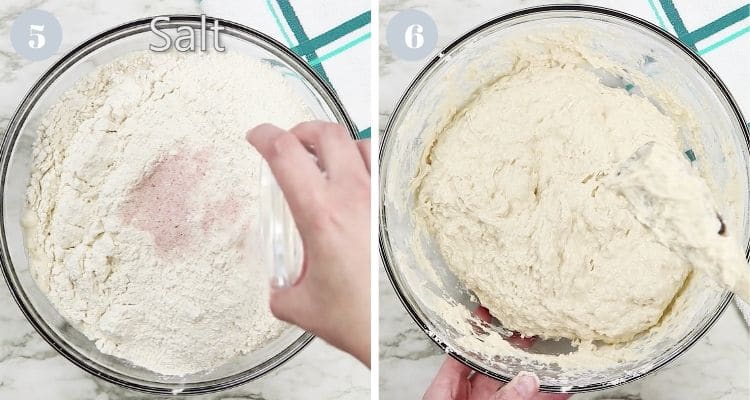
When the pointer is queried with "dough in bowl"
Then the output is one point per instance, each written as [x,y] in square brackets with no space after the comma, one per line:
[508,190]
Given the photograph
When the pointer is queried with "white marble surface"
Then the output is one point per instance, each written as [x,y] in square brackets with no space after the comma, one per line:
[717,367]
[29,368]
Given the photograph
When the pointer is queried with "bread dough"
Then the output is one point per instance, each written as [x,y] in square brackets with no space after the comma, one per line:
[671,199]
[509,191]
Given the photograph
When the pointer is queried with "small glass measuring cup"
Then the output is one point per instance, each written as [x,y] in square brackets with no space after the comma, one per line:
[281,244]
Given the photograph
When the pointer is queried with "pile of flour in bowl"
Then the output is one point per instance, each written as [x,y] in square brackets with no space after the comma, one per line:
[142,207]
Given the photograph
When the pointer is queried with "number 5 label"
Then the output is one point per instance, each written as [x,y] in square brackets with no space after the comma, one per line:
[411,35]
[37,39]
[36,35]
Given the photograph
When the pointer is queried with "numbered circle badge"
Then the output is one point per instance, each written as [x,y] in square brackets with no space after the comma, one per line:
[412,35]
[36,34]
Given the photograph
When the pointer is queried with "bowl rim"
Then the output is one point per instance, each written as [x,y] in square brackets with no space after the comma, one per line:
[389,264]
[70,58]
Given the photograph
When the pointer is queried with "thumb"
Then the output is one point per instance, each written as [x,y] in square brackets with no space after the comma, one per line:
[288,304]
[523,387]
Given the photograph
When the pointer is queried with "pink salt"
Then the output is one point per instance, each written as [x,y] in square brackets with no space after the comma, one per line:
[159,203]
[220,212]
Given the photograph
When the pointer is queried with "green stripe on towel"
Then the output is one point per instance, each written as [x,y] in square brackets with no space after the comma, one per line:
[691,38]
[334,34]
[279,25]
[676,21]
[724,41]
[659,19]
[299,33]
[341,49]
[719,24]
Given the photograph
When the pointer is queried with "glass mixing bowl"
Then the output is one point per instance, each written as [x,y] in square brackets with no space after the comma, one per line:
[447,82]
[16,164]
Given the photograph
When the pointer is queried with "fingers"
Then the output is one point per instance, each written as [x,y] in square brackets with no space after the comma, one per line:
[454,368]
[451,381]
[337,152]
[483,313]
[483,387]
[524,386]
[293,166]
[364,151]
[288,304]
[521,342]
[516,340]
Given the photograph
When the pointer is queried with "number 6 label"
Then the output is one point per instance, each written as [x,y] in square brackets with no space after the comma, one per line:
[36,35]
[414,38]
[411,35]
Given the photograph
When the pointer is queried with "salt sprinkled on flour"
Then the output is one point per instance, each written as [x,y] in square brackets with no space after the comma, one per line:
[142,195]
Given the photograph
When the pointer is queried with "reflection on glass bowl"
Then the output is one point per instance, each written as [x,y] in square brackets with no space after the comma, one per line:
[16,165]
[411,258]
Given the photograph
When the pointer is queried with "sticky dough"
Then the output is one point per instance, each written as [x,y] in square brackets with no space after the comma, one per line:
[509,192]
[671,199]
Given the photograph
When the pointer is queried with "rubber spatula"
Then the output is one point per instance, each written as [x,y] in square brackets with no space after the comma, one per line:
[669,197]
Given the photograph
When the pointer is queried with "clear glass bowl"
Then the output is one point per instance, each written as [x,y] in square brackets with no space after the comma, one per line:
[16,164]
[447,81]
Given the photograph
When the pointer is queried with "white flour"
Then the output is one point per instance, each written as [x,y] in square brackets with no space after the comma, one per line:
[142,204]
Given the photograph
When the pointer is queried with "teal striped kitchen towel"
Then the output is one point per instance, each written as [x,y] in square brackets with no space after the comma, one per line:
[719,31]
[333,36]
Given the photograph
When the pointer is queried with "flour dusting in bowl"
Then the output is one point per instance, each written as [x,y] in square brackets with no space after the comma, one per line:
[142,199]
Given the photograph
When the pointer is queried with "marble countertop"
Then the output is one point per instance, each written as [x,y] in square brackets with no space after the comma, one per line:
[29,368]
[717,367]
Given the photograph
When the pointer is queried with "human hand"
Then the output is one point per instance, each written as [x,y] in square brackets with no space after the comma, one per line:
[329,199]
[456,381]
